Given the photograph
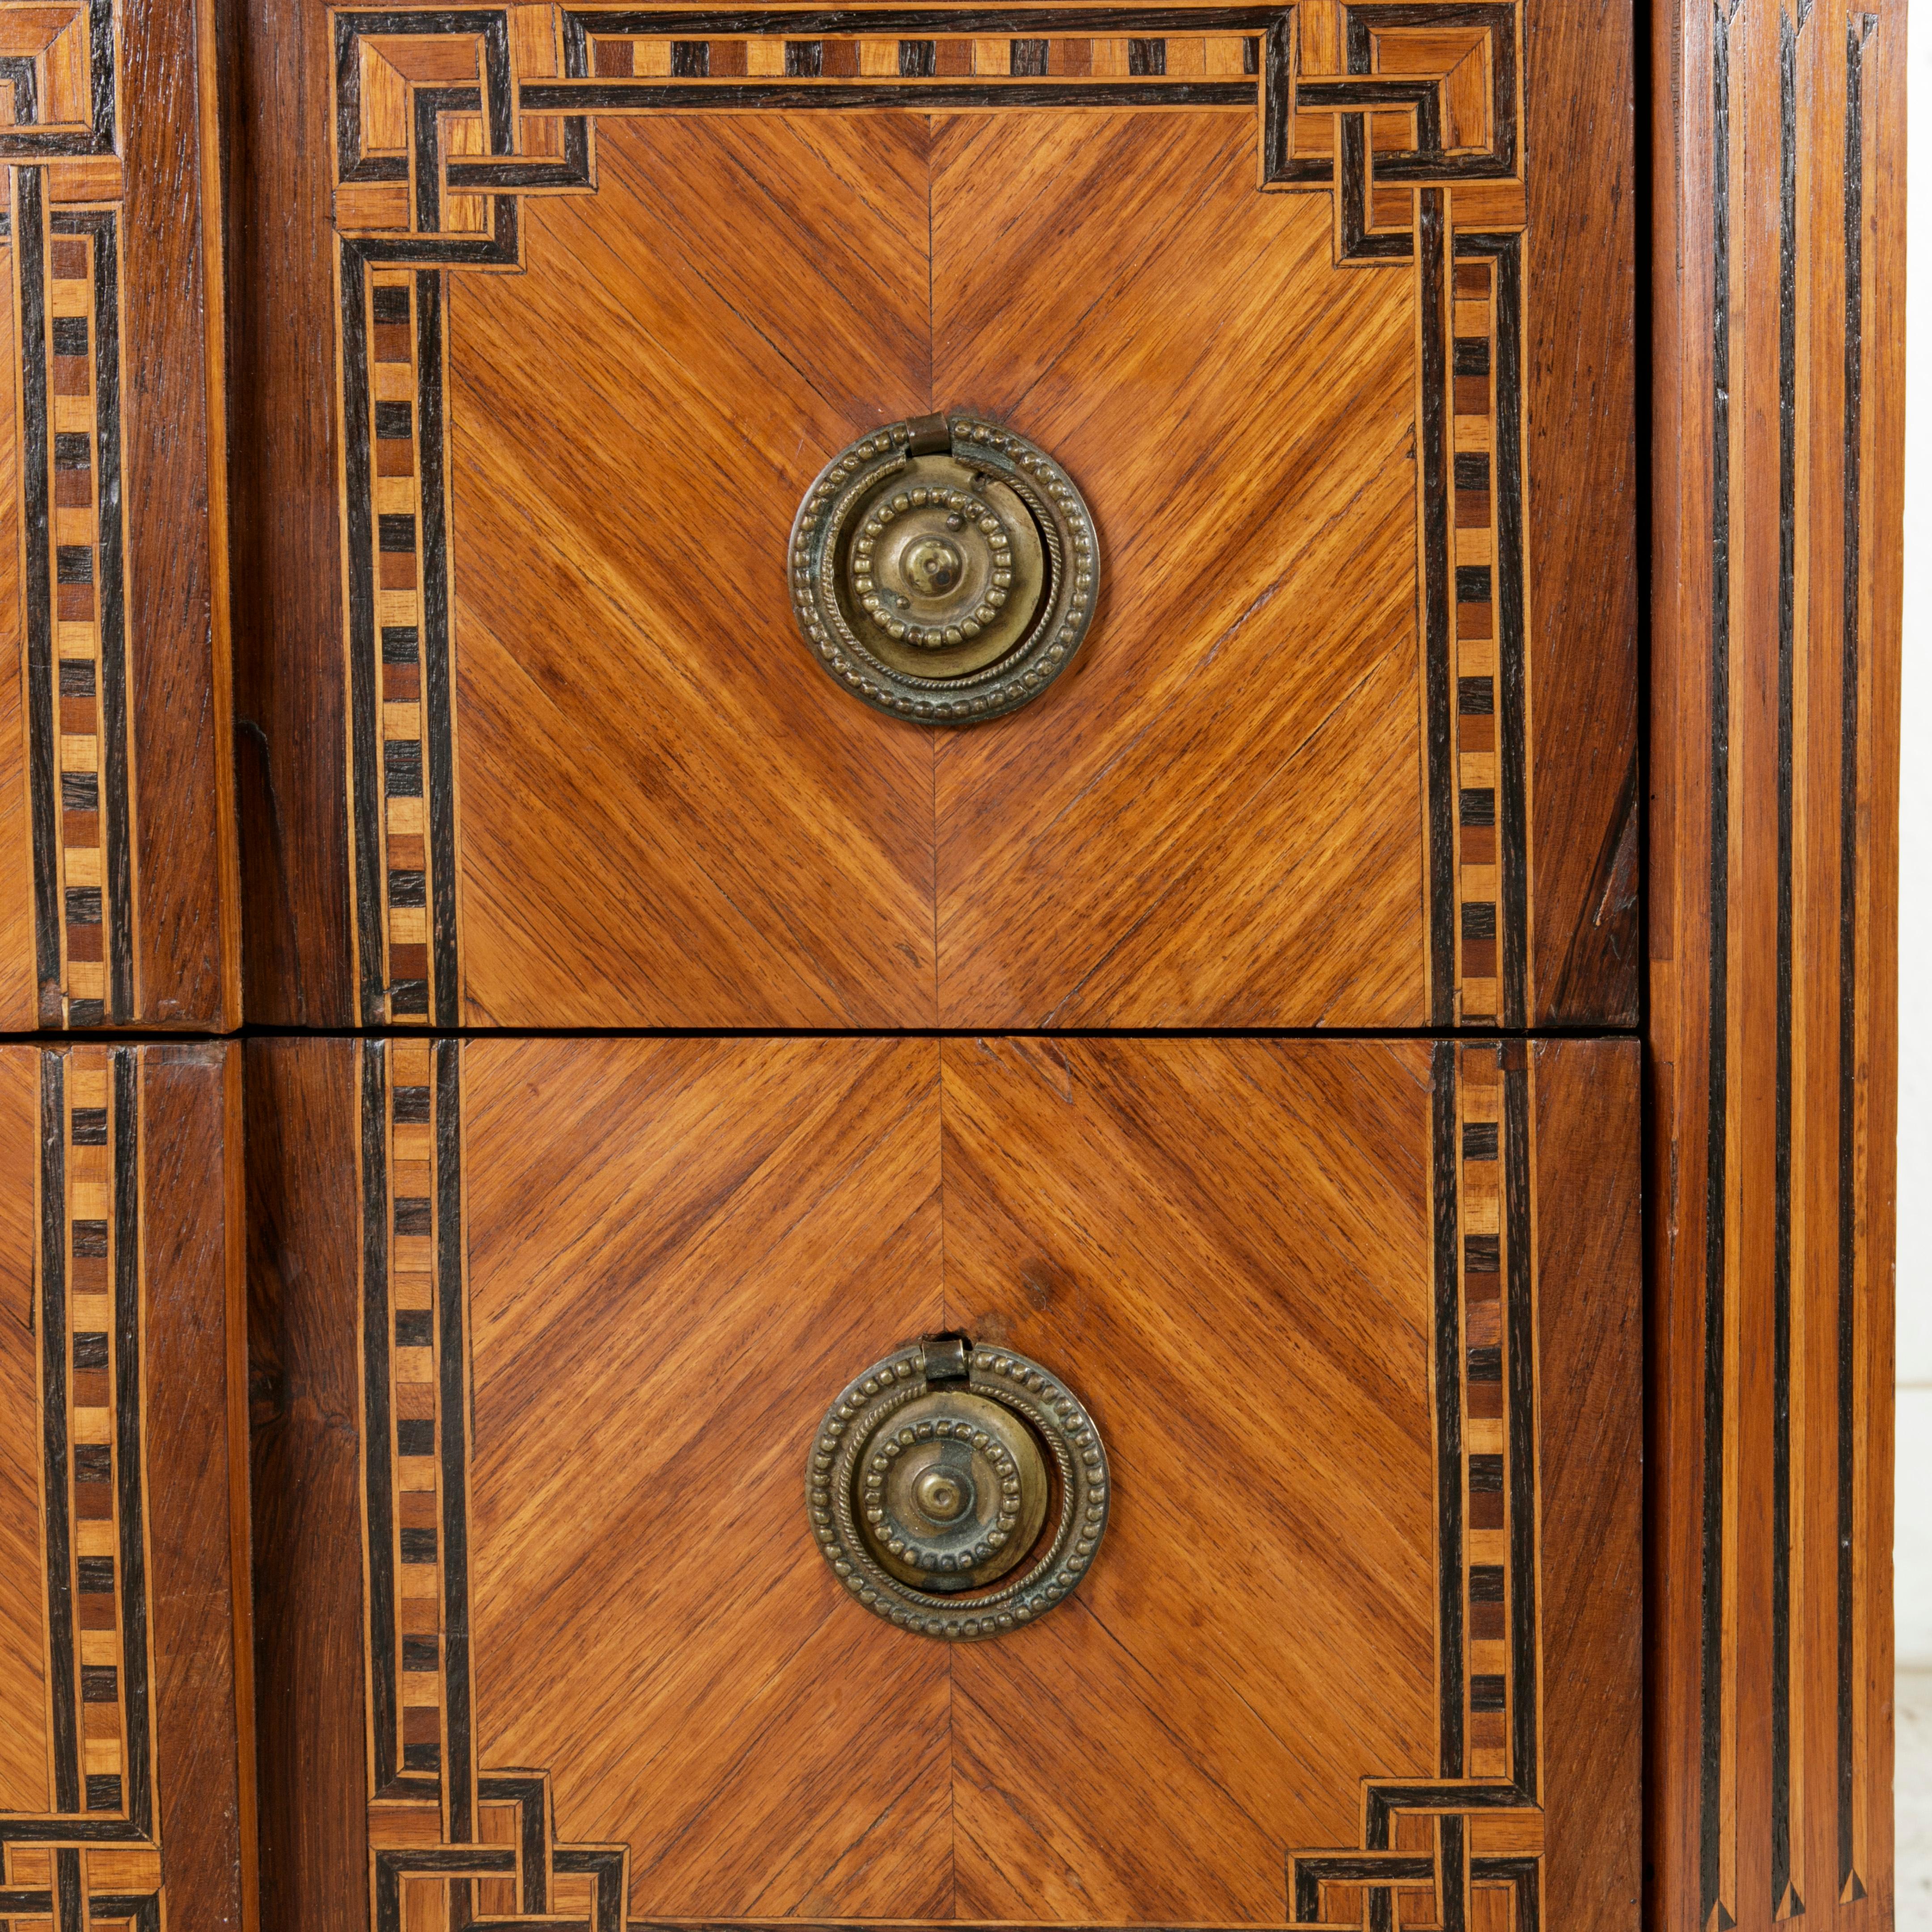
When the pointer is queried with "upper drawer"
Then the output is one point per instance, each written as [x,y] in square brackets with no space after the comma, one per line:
[1224,619]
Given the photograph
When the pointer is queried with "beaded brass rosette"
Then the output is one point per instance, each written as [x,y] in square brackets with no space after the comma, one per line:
[944,569]
[956,1491]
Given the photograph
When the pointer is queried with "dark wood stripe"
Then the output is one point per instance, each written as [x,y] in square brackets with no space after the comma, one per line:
[1445,1181]
[1520,1260]
[96,1829]
[1277,95]
[610,95]
[100,73]
[69,1898]
[1711,1690]
[138,1787]
[453,1402]
[913,23]
[1857,31]
[365,748]
[36,516]
[438,709]
[1437,577]
[1455,1883]
[1787,595]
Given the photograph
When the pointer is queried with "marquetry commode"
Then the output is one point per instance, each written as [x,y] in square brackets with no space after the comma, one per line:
[970,580]
[969,1027]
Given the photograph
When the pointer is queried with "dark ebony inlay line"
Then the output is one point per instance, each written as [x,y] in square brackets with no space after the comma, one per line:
[138,1788]
[611,94]
[1446,1179]
[532,1833]
[1437,577]
[1711,1689]
[1785,1901]
[365,754]
[61,1650]
[69,1899]
[917,23]
[1857,31]
[1520,1333]
[1277,95]
[38,562]
[607,1868]
[116,815]
[453,1406]
[377,1501]
[438,706]
[1455,1842]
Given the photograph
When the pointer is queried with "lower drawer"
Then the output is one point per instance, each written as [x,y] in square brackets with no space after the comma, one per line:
[1306,1581]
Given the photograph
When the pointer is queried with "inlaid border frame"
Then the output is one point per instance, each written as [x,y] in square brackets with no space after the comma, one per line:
[437,1818]
[420,209]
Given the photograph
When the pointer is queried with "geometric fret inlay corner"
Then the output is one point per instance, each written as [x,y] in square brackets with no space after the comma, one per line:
[1463,1849]
[1408,115]
[450,1843]
[94,1861]
[60,367]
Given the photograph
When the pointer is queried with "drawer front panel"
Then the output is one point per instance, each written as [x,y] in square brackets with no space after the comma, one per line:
[1356,1322]
[1340,731]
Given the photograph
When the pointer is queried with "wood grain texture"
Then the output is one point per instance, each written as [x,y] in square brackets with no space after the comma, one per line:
[289,746]
[671,813]
[1225,1245]
[1579,97]
[1589,1233]
[623,1276]
[189,962]
[680,1183]
[1012,1778]
[663,821]
[1778,457]
[19,994]
[190,1142]
[23,1663]
[1213,819]
[304,1254]
[793,883]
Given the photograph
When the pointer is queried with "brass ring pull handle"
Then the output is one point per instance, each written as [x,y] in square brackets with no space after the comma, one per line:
[958,1491]
[943,569]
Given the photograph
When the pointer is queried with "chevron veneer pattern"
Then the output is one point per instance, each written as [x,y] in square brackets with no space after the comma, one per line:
[1406,118]
[483,1650]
